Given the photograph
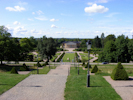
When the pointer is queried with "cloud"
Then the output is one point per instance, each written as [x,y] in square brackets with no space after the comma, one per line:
[33,13]
[19,29]
[53,26]
[39,12]
[90,3]
[16,8]
[53,20]
[30,19]
[111,14]
[41,18]
[96,9]
[101,1]
[34,31]
[131,31]
[16,23]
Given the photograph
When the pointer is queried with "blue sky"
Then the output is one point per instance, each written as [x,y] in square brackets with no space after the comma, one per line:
[67,18]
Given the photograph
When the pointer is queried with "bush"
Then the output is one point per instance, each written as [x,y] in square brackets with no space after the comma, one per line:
[46,63]
[86,66]
[24,68]
[14,71]
[119,73]
[83,63]
[59,59]
[94,69]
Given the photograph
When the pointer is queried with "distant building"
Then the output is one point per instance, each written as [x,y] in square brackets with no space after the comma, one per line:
[70,44]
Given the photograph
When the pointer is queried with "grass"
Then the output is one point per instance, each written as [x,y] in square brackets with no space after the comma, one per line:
[68,55]
[84,56]
[45,70]
[99,88]
[7,81]
[54,57]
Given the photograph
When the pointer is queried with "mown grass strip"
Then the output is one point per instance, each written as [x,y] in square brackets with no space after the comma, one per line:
[99,88]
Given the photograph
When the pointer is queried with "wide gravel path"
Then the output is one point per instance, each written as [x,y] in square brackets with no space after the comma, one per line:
[123,88]
[40,87]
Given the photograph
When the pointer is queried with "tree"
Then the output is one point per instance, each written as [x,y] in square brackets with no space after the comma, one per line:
[46,47]
[25,48]
[33,42]
[122,49]
[97,42]
[102,40]
[109,37]
[110,51]
[4,42]
[130,48]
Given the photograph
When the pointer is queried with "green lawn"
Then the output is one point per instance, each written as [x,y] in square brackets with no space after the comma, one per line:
[45,70]
[99,88]
[84,56]
[70,56]
[55,56]
[7,81]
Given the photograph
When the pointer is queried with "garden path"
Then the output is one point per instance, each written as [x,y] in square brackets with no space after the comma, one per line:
[123,88]
[40,87]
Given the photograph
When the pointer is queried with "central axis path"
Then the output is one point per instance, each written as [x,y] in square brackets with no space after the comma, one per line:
[40,87]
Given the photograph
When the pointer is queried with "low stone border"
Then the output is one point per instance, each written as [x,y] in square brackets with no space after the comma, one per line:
[23,72]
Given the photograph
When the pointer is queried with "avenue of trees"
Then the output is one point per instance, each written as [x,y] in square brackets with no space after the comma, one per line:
[109,48]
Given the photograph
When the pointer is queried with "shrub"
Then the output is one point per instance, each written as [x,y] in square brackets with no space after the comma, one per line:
[119,73]
[24,68]
[83,63]
[86,66]
[14,71]
[94,69]
[46,63]
[59,59]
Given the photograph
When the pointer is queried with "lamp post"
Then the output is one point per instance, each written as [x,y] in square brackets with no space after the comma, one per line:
[88,43]
[37,65]
[48,61]
[78,65]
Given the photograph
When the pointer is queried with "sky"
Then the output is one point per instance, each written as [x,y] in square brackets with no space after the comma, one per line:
[67,18]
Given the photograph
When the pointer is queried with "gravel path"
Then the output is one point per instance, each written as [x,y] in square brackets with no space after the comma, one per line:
[40,87]
[123,88]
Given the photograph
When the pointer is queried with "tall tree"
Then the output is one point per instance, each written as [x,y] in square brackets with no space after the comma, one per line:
[4,42]
[109,37]
[96,42]
[46,47]
[121,48]
[102,40]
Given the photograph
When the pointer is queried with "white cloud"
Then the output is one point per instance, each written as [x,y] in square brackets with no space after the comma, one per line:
[19,29]
[96,9]
[41,18]
[131,31]
[39,12]
[101,1]
[16,23]
[16,8]
[90,3]
[33,13]
[30,19]
[53,20]
[53,26]
[111,14]
[34,31]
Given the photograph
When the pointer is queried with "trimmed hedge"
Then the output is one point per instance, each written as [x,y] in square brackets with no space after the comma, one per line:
[78,60]
[46,63]
[24,68]
[14,71]
[94,69]
[59,59]
[86,66]
[119,73]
